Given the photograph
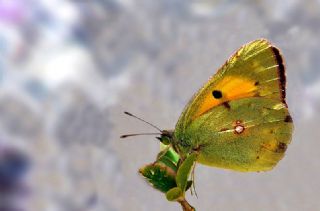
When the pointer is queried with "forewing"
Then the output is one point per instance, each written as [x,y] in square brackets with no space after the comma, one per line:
[255,70]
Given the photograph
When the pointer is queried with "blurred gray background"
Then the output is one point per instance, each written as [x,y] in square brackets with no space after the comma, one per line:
[68,70]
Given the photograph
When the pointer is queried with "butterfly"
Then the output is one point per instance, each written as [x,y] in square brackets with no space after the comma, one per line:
[239,119]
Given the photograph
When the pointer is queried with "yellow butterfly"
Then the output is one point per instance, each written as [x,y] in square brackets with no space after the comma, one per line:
[239,119]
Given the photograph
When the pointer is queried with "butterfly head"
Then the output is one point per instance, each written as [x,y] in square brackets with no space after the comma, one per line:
[166,137]
[182,146]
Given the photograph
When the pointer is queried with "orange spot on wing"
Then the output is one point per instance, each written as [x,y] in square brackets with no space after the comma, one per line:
[232,88]
[271,145]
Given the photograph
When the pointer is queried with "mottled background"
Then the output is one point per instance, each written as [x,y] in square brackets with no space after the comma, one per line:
[69,68]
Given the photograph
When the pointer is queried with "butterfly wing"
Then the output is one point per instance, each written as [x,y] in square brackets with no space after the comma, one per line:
[251,135]
[256,69]
[254,74]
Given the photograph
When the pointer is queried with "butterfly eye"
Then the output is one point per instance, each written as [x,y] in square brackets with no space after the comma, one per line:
[217,94]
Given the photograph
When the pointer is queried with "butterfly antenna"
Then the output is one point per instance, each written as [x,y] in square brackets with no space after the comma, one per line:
[129,114]
[138,134]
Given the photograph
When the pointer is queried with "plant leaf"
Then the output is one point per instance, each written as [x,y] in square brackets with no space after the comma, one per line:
[159,176]
[184,171]
[168,151]
[174,194]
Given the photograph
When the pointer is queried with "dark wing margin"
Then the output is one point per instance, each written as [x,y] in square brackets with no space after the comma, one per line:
[281,72]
